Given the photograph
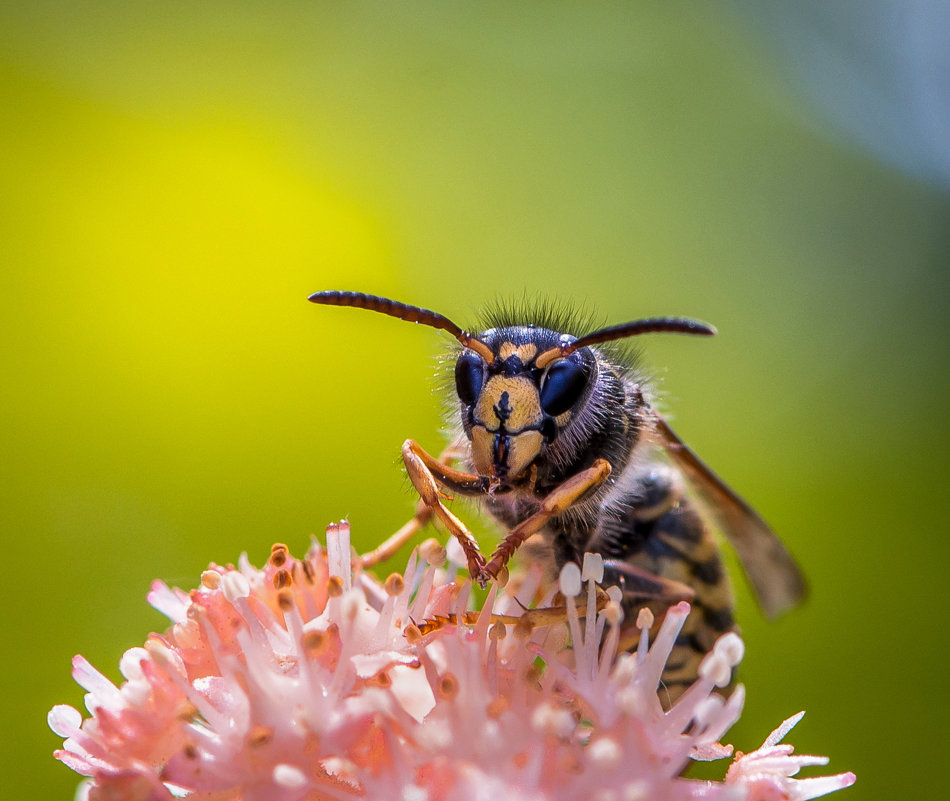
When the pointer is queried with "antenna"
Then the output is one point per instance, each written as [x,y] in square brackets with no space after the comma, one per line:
[403,311]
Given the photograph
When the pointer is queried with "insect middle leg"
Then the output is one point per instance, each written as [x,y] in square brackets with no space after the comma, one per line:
[391,545]
[426,474]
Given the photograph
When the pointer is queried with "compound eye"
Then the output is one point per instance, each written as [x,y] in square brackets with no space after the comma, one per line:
[562,387]
[469,377]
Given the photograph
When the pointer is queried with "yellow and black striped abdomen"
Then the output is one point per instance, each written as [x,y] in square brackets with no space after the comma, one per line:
[654,528]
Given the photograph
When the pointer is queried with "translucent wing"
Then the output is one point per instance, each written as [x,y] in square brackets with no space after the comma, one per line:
[777,580]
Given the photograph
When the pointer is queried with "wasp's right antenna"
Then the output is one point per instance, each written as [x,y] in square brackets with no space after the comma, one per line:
[403,311]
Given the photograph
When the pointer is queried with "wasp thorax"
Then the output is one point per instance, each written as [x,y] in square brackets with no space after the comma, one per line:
[511,407]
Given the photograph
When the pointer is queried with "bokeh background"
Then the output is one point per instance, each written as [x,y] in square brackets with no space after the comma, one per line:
[176,178]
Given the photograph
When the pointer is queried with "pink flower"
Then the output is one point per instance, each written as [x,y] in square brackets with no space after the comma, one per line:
[308,680]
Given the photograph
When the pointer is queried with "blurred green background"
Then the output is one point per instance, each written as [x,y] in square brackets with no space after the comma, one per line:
[176,178]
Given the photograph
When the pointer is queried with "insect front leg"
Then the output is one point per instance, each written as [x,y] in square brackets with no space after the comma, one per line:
[423,515]
[426,473]
[559,500]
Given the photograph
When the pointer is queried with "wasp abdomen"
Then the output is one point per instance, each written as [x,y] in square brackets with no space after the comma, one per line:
[653,527]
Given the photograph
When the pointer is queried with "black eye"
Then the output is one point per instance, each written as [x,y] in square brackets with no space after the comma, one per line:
[469,375]
[562,387]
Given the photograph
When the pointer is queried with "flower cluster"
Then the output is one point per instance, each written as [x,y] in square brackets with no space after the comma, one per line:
[308,680]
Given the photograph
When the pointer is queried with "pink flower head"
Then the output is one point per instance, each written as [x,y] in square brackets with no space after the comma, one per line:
[309,679]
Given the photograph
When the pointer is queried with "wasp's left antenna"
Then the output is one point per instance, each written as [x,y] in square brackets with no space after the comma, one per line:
[403,311]
[652,325]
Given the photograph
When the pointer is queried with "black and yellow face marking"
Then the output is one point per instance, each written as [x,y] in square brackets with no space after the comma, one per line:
[511,407]
[506,435]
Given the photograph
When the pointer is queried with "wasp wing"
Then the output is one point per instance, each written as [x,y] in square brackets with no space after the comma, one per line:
[776,578]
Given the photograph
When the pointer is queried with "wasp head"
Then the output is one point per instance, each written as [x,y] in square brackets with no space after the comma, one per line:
[519,386]
[513,404]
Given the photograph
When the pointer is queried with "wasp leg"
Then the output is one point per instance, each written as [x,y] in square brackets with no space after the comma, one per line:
[559,500]
[453,480]
[426,473]
[395,541]
[526,622]
[640,586]
[423,515]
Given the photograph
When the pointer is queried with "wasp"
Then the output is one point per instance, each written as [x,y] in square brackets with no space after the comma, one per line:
[560,442]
